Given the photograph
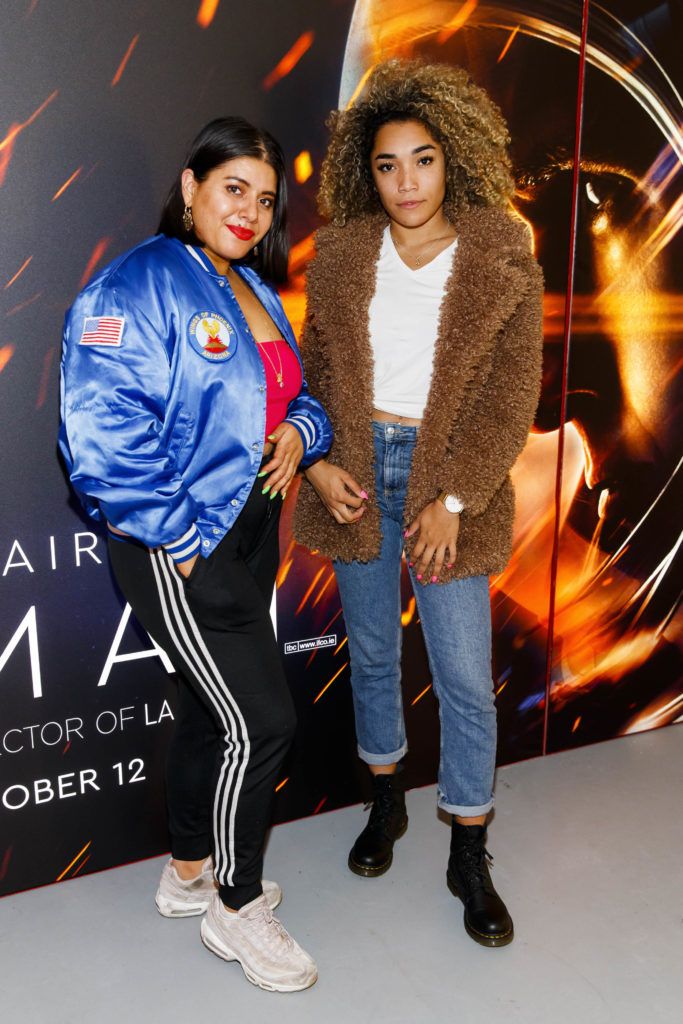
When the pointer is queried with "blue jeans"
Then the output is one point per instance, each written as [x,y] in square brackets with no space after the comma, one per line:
[456,624]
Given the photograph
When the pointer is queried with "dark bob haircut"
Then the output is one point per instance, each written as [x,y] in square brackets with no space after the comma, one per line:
[228,138]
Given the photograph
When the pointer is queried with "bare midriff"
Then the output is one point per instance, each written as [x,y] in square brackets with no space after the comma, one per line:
[391,417]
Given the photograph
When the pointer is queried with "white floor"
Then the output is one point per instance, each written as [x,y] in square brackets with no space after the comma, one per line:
[588,848]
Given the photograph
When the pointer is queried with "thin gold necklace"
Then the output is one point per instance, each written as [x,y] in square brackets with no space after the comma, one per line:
[417,260]
[278,373]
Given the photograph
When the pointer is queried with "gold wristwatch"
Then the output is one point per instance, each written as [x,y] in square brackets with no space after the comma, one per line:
[451,503]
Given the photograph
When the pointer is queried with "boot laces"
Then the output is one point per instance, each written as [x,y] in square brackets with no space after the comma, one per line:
[474,861]
[381,809]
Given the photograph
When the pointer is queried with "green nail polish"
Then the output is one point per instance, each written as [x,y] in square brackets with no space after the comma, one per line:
[265,489]
[259,475]
[283,495]
[273,495]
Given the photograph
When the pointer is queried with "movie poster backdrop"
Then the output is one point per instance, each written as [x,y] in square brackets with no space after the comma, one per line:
[100,102]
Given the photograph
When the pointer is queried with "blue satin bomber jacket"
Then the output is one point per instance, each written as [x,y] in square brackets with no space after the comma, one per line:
[164,397]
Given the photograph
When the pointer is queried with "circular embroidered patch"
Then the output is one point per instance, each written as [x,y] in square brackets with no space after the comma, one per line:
[212,336]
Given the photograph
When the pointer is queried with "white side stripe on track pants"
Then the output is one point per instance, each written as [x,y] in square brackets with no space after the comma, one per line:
[184,633]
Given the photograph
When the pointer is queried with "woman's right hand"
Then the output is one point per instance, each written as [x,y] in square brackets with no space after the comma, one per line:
[186,567]
[340,494]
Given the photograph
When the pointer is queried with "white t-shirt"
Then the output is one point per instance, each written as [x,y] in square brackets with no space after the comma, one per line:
[404,321]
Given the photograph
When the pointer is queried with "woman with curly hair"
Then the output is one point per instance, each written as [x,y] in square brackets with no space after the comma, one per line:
[423,339]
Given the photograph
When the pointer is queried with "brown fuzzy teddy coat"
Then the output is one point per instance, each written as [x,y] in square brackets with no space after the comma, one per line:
[483,395]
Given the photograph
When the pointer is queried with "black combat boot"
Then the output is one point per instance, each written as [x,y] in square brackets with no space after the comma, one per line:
[486,918]
[372,852]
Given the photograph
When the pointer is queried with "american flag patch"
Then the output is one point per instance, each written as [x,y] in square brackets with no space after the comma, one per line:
[102,330]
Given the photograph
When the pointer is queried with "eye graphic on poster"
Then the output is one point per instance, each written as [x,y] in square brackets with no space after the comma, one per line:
[617,622]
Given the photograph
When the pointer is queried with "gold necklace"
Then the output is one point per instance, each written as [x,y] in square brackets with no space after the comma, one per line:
[278,373]
[417,260]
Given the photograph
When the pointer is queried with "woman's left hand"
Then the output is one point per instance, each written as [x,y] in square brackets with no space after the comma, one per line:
[436,537]
[288,453]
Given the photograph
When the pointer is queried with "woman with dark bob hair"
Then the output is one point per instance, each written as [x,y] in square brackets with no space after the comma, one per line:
[423,339]
[185,416]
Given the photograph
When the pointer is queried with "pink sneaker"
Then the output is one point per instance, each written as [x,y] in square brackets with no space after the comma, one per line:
[262,946]
[179,898]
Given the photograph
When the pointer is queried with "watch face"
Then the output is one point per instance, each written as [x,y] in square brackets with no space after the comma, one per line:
[452,504]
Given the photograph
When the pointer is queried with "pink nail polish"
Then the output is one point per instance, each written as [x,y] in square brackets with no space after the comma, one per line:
[435,579]
[410,565]
[450,565]
[364,494]
[419,576]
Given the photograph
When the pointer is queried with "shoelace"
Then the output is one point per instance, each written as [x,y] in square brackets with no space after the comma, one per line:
[381,809]
[473,863]
[269,928]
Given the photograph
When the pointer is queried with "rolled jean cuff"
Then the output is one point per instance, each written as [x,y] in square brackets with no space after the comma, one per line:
[381,759]
[461,810]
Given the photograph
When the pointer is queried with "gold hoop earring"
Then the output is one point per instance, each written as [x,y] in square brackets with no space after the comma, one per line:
[188,222]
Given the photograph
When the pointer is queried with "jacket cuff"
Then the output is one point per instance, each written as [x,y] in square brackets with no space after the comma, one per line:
[305,428]
[185,547]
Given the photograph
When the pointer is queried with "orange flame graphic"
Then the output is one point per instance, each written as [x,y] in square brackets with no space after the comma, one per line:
[23,305]
[45,377]
[457,21]
[340,646]
[6,353]
[81,865]
[361,85]
[96,255]
[71,864]
[328,685]
[7,144]
[420,695]
[303,167]
[19,272]
[310,590]
[207,12]
[408,614]
[69,181]
[511,39]
[126,57]
[290,60]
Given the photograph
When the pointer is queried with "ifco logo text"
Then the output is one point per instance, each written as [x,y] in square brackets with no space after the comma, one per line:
[294,646]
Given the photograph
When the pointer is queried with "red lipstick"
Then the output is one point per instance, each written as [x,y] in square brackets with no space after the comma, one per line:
[244,234]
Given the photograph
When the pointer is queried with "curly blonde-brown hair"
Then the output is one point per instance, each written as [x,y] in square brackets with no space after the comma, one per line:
[458,114]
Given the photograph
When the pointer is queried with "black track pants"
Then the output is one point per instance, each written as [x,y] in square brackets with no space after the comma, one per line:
[235,717]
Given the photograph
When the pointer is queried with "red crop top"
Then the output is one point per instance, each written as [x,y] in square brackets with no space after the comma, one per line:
[283,379]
